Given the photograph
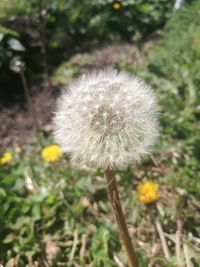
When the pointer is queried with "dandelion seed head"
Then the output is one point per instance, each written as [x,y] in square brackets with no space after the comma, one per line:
[106,119]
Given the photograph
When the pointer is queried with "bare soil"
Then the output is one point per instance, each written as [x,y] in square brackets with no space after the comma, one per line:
[17,121]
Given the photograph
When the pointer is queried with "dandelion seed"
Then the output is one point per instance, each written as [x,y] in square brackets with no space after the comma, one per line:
[123,130]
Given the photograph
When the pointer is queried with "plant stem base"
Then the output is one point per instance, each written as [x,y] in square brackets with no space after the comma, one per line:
[116,205]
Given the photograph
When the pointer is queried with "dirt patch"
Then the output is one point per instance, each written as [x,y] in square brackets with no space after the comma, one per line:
[15,119]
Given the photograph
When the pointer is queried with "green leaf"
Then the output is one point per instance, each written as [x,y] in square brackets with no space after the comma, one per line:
[36,213]
[15,45]
[9,238]
[4,30]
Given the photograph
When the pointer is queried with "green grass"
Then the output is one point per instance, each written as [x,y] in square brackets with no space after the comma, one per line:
[62,208]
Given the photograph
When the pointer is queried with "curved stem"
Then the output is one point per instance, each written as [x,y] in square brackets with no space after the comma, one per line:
[119,216]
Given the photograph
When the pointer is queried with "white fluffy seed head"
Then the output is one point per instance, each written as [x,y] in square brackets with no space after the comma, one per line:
[105,119]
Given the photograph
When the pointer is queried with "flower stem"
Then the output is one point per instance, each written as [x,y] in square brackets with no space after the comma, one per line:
[119,216]
[29,102]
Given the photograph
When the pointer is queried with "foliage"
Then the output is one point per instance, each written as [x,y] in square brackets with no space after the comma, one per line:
[105,22]
[86,20]
[178,50]
[174,60]
[51,28]
[10,47]
[57,213]
[93,21]
[38,207]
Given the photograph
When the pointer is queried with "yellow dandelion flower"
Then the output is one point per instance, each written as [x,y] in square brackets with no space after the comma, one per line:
[148,192]
[51,153]
[116,5]
[7,156]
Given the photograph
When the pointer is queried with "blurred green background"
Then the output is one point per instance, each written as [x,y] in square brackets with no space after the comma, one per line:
[58,214]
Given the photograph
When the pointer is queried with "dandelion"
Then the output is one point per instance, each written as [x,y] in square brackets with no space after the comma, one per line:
[148,192]
[51,153]
[108,120]
[6,158]
[116,5]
